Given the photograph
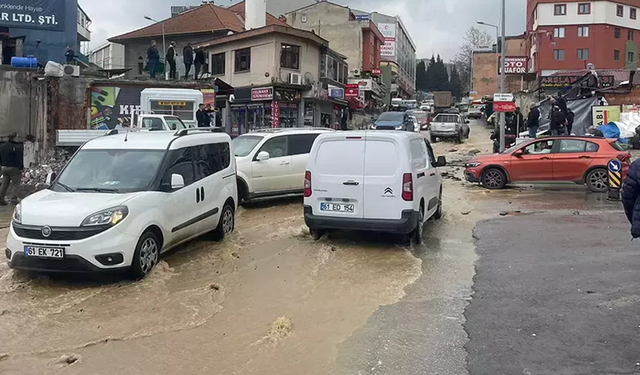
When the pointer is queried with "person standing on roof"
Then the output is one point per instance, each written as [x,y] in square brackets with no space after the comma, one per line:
[154,57]
[171,60]
[187,54]
[70,55]
[199,61]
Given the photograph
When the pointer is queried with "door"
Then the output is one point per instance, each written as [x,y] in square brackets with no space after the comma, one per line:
[573,158]
[337,178]
[181,203]
[383,179]
[299,149]
[274,174]
[212,162]
[535,164]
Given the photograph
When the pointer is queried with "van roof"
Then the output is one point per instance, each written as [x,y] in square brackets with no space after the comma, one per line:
[377,134]
[307,129]
[154,140]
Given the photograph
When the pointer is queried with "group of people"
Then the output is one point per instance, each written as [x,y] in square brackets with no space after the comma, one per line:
[191,58]
[206,115]
[560,118]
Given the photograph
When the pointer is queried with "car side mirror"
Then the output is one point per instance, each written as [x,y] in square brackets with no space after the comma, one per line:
[177,181]
[441,162]
[50,178]
[518,153]
[263,156]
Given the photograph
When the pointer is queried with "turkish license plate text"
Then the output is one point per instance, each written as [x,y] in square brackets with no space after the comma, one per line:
[337,207]
[43,252]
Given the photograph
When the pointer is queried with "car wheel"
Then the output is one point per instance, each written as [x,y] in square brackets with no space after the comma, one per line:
[417,233]
[438,214]
[434,139]
[493,179]
[227,223]
[146,256]
[316,234]
[597,181]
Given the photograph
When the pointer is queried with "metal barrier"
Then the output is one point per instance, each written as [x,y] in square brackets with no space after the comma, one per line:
[614,167]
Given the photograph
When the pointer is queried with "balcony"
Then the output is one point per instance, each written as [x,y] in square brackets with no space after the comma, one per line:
[84,35]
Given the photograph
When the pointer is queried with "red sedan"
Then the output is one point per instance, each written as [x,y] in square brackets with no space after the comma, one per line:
[582,160]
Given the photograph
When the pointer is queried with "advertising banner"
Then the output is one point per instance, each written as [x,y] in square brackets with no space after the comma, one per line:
[265,93]
[112,107]
[603,115]
[352,91]
[388,30]
[564,81]
[33,14]
[275,114]
[514,65]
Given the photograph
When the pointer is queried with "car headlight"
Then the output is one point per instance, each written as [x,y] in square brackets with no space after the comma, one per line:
[111,216]
[373,127]
[474,164]
[17,214]
[399,127]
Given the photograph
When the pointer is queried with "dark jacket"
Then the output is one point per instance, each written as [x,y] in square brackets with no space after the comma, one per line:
[204,120]
[534,118]
[188,55]
[171,54]
[630,195]
[11,155]
[70,55]
[200,56]
[152,53]
[557,118]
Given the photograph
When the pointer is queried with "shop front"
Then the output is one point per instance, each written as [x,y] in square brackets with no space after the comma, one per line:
[258,108]
[326,108]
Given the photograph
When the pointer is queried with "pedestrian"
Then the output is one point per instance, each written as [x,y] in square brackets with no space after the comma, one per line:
[570,116]
[519,121]
[171,60]
[218,118]
[596,132]
[556,118]
[12,161]
[154,57]
[203,118]
[199,61]
[70,55]
[630,195]
[187,55]
[533,122]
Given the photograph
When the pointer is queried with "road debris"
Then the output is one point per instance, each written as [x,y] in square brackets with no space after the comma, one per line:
[281,327]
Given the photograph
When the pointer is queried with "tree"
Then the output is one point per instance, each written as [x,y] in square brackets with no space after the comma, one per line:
[421,76]
[430,83]
[456,84]
[473,39]
[440,76]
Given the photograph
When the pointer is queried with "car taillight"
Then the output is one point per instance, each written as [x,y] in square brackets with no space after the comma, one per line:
[407,187]
[625,158]
[307,184]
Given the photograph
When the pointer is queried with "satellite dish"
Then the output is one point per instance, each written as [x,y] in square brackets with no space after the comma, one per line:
[308,78]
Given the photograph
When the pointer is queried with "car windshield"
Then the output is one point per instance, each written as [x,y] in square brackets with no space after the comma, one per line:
[175,123]
[110,171]
[392,116]
[244,144]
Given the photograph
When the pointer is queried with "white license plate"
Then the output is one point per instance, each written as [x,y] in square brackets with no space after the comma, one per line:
[43,252]
[337,207]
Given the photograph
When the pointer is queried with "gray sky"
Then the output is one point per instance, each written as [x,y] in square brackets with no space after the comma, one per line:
[436,26]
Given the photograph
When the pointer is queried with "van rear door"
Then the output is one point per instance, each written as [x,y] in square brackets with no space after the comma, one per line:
[337,172]
[383,178]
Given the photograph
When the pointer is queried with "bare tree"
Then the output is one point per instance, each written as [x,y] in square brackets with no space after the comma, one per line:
[473,39]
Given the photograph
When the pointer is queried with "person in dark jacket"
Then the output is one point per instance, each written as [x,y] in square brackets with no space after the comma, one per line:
[533,122]
[171,60]
[570,116]
[70,55]
[12,161]
[203,118]
[630,195]
[154,57]
[557,120]
[199,61]
[187,54]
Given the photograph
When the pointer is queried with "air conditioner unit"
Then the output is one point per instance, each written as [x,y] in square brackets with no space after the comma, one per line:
[72,70]
[356,72]
[295,79]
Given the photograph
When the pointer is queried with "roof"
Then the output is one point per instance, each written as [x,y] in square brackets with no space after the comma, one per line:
[151,140]
[302,34]
[316,4]
[619,75]
[206,18]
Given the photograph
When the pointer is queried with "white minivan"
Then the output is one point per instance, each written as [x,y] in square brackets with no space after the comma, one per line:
[382,181]
[125,198]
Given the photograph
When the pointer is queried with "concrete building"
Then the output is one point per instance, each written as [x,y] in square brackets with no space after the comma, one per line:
[569,34]
[108,56]
[43,32]
[486,77]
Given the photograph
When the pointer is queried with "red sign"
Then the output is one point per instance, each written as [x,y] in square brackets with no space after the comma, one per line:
[504,106]
[514,65]
[264,93]
[352,90]
[275,114]
[376,72]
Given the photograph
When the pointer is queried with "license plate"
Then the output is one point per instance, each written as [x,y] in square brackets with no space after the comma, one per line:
[337,207]
[43,252]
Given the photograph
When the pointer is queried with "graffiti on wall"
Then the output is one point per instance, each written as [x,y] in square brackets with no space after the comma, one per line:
[112,107]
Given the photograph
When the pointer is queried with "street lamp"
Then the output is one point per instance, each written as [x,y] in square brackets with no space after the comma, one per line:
[497,44]
[164,45]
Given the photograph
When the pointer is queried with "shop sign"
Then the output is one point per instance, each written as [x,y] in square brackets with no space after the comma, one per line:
[364,84]
[288,95]
[376,72]
[388,49]
[275,114]
[34,14]
[564,81]
[514,65]
[336,92]
[263,93]
[352,91]
[504,106]
[172,103]
[362,17]
[603,115]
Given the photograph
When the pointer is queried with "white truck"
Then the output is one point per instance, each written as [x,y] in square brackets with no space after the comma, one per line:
[149,122]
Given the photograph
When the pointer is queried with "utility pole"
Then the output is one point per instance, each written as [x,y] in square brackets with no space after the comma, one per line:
[503,76]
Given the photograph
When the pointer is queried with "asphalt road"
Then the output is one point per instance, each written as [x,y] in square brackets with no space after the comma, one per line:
[555,294]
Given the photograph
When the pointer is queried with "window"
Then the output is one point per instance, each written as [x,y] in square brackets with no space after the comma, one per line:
[583,54]
[630,35]
[419,154]
[633,13]
[218,64]
[153,123]
[631,57]
[583,31]
[301,144]
[616,33]
[243,60]
[539,148]
[180,162]
[616,55]
[432,156]
[620,11]
[276,147]
[558,54]
[211,158]
[584,8]
[290,56]
[558,32]
[592,147]
[244,144]
[568,146]
[560,9]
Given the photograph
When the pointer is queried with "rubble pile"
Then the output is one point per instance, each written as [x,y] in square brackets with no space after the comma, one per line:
[34,177]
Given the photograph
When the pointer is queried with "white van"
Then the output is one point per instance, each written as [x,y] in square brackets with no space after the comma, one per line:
[125,198]
[373,181]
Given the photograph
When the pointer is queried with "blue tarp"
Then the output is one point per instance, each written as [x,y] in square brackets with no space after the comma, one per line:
[610,130]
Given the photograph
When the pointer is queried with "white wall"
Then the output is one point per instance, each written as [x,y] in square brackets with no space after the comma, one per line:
[108,56]
[602,12]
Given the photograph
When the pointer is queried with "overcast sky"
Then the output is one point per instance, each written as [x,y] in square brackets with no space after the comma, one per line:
[436,26]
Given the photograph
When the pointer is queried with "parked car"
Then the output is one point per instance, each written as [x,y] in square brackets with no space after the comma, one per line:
[394,121]
[423,119]
[449,126]
[474,112]
[416,124]
[125,198]
[372,181]
[272,162]
[582,160]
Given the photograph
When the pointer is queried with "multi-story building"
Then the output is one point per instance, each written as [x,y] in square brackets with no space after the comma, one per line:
[108,56]
[486,72]
[569,34]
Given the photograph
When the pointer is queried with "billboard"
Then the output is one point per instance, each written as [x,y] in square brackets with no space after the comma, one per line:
[514,65]
[388,30]
[33,14]
[564,81]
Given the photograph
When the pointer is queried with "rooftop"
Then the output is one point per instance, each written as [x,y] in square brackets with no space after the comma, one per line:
[303,34]
[149,140]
